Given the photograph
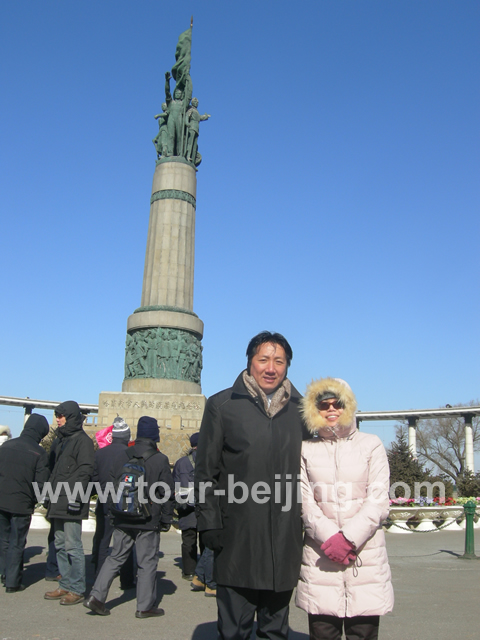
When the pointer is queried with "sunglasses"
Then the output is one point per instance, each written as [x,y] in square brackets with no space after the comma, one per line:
[325,405]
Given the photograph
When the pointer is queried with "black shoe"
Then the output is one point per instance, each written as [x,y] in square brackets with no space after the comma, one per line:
[188,576]
[21,587]
[151,613]
[96,606]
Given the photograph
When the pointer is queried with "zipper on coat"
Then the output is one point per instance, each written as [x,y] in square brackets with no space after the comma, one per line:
[344,571]
[272,533]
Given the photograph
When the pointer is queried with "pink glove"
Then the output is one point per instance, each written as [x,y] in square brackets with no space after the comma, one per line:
[339,549]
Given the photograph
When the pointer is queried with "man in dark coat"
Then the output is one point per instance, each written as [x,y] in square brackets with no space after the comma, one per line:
[145,535]
[72,457]
[22,462]
[183,476]
[105,460]
[246,480]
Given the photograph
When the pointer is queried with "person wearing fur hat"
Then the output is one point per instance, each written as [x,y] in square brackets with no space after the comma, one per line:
[345,579]
[145,533]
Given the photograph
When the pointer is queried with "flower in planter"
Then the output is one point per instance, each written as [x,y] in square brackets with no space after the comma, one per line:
[467,500]
[423,501]
[446,502]
[401,502]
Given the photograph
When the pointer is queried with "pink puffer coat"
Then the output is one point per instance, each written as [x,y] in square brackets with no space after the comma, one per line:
[345,480]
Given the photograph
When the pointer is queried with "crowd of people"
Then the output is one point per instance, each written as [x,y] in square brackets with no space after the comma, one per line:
[277,492]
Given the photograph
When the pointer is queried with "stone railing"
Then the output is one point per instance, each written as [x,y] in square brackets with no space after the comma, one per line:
[410,519]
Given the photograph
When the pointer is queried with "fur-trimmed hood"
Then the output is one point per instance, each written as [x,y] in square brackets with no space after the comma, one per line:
[341,390]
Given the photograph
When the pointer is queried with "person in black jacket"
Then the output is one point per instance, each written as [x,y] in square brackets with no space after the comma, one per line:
[22,462]
[183,475]
[72,455]
[246,482]
[105,459]
[145,535]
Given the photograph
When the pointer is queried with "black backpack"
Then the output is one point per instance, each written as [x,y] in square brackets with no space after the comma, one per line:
[128,507]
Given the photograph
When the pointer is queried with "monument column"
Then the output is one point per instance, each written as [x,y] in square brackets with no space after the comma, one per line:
[163,352]
[165,324]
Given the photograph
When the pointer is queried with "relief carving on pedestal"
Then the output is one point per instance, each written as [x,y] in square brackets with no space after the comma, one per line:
[158,352]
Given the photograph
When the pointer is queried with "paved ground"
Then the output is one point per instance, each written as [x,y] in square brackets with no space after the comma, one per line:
[436,598]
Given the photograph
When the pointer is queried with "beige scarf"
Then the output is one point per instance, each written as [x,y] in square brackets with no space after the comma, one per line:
[280,397]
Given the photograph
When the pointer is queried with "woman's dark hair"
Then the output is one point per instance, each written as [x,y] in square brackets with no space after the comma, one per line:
[263,338]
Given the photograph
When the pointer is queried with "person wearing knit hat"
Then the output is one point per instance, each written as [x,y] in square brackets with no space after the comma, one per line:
[147,427]
[194,439]
[143,534]
[344,578]
[105,459]
[121,430]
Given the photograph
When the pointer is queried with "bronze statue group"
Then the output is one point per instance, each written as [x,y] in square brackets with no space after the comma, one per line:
[179,125]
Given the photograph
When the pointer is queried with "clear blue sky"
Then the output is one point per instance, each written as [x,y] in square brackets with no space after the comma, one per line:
[337,203]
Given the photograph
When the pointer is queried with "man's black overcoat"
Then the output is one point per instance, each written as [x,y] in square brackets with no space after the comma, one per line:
[262,539]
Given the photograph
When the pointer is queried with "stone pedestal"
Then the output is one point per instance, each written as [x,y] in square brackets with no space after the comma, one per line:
[163,354]
[178,415]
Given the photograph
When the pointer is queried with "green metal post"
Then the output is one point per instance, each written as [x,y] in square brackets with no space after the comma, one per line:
[469,554]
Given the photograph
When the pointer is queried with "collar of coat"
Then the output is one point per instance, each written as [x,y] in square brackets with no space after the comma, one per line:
[240,389]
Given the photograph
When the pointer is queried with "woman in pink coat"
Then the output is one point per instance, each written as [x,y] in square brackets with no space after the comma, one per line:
[345,578]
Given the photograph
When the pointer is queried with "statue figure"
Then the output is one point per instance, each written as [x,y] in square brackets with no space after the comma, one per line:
[139,357]
[176,117]
[182,358]
[129,357]
[160,140]
[192,357]
[193,119]
[196,373]
[172,364]
[151,359]
[163,353]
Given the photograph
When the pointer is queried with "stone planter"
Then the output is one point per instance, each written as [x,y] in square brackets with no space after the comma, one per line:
[409,519]
[451,517]
[426,517]
[399,516]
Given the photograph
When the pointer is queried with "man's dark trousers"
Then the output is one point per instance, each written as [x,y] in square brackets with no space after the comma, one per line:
[236,613]
[189,551]
[13,537]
